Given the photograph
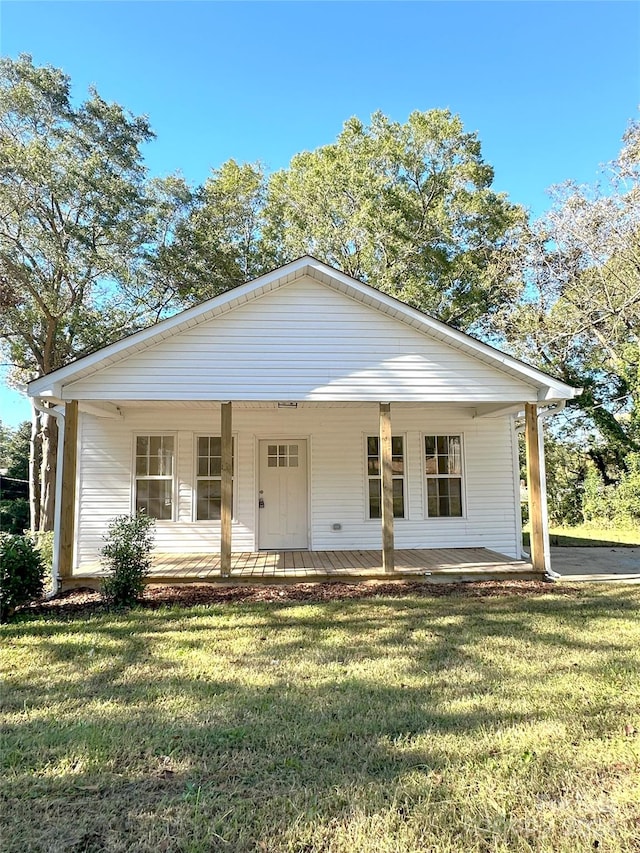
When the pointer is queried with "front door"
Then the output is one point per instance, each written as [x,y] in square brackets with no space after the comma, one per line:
[282,495]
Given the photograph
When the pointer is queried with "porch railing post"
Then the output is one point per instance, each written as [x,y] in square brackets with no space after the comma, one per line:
[386,487]
[226,497]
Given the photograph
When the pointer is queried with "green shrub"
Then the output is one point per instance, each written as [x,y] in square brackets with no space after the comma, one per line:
[127,557]
[21,573]
[44,544]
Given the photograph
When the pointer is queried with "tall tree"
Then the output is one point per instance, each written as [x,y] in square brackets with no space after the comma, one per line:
[407,208]
[216,239]
[73,223]
[580,313]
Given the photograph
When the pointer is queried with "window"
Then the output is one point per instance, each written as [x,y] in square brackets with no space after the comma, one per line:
[209,477]
[443,467]
[282,456]
[154,475]
[374,480]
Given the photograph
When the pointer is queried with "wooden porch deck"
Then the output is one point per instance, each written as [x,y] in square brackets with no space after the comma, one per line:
[268,567]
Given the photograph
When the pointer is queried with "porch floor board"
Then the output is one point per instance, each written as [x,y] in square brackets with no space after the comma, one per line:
[430,564]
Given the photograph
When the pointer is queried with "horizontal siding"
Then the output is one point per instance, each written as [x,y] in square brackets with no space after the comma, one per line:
[337,477]
[304,341]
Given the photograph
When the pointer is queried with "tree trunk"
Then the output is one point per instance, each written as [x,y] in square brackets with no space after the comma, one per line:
[35,462]
[48,477]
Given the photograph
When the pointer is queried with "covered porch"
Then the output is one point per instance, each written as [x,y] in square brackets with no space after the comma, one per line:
[432,565]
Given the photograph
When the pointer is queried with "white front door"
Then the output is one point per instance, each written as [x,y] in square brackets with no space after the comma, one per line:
[282,494]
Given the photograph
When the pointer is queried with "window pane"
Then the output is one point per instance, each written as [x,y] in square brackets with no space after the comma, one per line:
[272,462]
[374,499]
[203,466]
[293,450]
[443,464]
[154,498]
[455,455]
[397,445]
[373,467]
[141,465]
[398,498]
[208,500]
[282,449]
[443,445]
[455,493]
[293,461]
[432,507]
[430,445]
[372,445]
[431,465]
[142,445]
[272,450]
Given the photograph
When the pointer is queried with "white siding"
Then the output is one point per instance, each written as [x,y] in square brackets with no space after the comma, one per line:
[336,469]
[304,341]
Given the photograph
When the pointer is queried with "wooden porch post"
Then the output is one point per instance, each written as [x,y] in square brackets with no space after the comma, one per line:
[68,489]
[534,486]
[226,441]
[386,487]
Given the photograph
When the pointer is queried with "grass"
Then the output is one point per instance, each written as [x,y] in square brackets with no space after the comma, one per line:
[442,724]
[585,535]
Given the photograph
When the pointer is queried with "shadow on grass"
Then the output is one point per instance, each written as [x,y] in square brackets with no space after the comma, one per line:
[218,728]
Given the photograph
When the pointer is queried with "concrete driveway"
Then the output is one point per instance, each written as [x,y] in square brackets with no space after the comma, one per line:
[597,564]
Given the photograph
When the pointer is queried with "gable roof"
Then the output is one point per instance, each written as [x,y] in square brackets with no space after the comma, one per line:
[51,385]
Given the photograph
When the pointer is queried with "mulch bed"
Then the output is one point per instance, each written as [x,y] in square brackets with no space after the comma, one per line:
[89,601]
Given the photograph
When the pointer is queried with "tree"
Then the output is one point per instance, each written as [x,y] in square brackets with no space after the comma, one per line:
[73,228]
[580,314]
[407,208]
[216,238]
[14,474]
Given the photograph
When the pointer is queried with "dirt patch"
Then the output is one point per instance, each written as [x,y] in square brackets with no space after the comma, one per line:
[88,601]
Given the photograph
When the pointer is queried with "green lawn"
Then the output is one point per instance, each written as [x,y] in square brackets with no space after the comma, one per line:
[449,724]
[590,536]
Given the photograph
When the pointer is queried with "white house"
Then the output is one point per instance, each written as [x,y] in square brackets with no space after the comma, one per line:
[303,410]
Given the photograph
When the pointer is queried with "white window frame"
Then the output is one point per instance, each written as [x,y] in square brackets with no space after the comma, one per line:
[368,477]
[197,478]
[173,477]
[462,476]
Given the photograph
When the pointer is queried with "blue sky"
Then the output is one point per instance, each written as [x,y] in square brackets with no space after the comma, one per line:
[548,86]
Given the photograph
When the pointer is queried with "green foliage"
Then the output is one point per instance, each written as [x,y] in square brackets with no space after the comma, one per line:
[127,557]
[44,544]
[21,573]
[407,208]
[15,455]
[615,504]
[14,459]
[14,515]
[216,241]
[566,469]
[580,314]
